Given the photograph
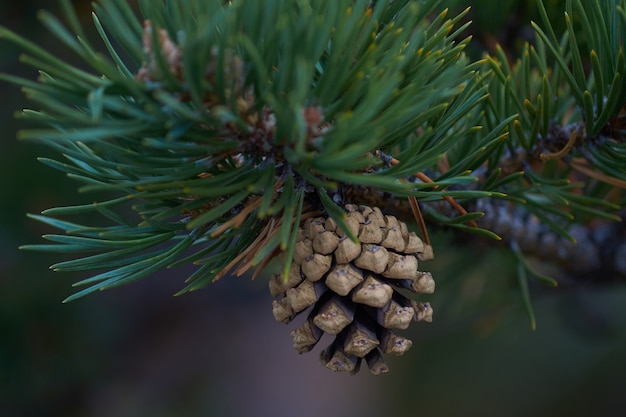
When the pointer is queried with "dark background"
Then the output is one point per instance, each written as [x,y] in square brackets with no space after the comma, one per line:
[138,351]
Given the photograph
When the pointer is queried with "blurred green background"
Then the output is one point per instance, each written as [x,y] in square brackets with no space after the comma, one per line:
[138,351]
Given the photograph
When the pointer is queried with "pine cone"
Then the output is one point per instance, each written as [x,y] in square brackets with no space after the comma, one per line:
[352,288]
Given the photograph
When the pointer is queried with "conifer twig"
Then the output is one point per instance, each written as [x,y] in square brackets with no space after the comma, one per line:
[547,156]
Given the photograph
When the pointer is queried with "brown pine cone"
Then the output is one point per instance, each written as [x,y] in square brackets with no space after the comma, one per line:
[352,288]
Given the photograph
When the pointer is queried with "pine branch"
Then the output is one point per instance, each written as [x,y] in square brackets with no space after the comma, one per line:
[225,134]
[225,110]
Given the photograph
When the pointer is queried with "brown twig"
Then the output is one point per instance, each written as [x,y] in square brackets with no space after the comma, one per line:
[582,165]
[459,208]
[415,206]
[238,219]
[547,156]
[417,213]
[264,236]
[245,258]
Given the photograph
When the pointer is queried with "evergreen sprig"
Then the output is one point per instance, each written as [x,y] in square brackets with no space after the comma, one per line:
[565,130]
[214,108]
[218,126]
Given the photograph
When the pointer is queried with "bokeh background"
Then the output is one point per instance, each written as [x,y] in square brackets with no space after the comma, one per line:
[139,351]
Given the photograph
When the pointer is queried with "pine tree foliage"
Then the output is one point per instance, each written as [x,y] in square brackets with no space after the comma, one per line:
[215,128]
[569,94]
